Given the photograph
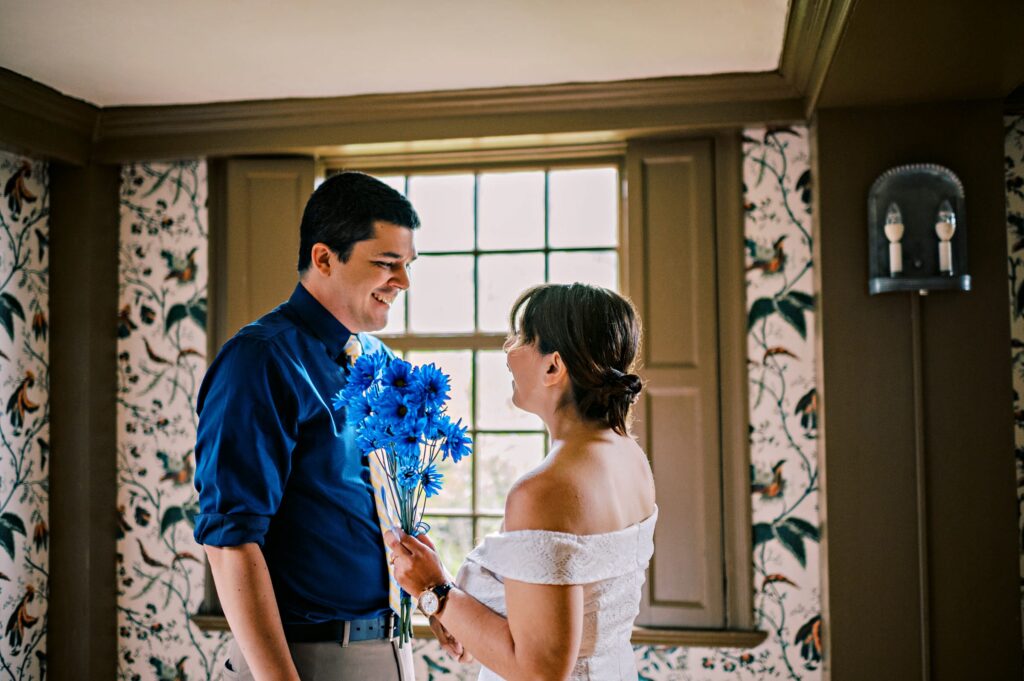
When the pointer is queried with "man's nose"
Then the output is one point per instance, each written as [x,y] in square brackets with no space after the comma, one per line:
[401,279]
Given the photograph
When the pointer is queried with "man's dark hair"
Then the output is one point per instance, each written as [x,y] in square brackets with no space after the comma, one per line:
[342,212]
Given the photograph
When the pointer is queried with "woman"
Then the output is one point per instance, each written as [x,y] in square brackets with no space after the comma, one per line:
[554,595]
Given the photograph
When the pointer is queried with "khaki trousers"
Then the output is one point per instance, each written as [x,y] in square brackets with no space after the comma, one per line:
[363,661]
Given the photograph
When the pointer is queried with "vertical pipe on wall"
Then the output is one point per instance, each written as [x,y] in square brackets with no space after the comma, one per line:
[917,350]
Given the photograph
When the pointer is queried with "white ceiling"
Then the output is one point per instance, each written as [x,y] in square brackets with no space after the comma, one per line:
[120,52]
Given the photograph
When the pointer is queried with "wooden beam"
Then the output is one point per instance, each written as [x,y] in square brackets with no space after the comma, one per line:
[38,120]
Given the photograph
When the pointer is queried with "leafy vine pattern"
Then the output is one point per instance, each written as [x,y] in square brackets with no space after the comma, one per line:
[161,347]
[1014,164]
[24,423]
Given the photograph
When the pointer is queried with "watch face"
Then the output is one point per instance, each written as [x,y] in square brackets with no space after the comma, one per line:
[428,603]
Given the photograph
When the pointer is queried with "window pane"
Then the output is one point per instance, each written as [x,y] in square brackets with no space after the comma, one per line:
[453,538]
[396,182]
[501,460]
[457,490]
[494,408]
[502,279]
[584,207]
[458,364]
[441,297]
[396,316]
[599,268]
[511,210]
[486,526]
[445,206]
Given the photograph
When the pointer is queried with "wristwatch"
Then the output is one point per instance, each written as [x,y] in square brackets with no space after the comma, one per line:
[433,599]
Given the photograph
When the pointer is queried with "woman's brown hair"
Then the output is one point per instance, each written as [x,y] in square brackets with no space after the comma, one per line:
[597,333]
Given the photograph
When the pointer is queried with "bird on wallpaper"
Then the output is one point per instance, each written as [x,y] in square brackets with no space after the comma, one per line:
[772,488]
[19,404]
[178,471]
[768,260]
[43,240]
[16,191]
[20,620]
[125,325]
[809,639]
[807,409]
[165,672]
[152,355]
[181,268]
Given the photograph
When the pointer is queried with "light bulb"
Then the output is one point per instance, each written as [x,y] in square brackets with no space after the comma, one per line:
[945,227]
[894,233]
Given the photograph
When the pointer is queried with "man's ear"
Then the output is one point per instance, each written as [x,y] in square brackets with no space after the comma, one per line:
[321,259]
[556,372]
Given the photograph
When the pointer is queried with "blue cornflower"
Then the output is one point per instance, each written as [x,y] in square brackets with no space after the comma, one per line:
[398,375]
[392,408]
[435,425]
[431,480]
[456,444]
[358,410]
[433,385]
[373,434]
[407,444]
[364,371]
[408,477]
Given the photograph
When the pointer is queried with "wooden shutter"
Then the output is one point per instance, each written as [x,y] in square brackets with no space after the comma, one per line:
[256,246]
[673,281]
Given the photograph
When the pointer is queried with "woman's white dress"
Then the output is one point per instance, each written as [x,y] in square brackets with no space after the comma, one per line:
[610,566]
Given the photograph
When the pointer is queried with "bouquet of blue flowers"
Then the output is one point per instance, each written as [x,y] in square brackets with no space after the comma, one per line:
[399,412]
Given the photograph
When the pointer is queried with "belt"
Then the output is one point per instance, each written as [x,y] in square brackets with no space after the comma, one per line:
[384,627]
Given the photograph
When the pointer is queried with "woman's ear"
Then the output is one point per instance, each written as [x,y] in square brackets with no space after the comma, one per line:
[555,373]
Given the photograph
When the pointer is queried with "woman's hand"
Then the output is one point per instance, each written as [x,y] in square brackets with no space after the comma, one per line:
[417,567]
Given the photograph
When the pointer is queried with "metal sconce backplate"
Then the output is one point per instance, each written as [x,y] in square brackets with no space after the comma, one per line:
[918,191]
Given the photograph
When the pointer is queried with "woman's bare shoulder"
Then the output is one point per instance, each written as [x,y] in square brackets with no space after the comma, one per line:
[546,498]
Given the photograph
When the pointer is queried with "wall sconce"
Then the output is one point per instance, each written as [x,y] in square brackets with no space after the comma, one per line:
[917,240]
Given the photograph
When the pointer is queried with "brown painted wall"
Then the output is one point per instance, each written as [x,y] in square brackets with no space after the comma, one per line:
[873,427]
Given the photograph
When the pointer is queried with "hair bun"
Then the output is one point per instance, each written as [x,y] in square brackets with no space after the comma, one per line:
[628,385]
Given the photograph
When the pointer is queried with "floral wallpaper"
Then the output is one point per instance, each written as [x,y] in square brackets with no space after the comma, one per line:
[1014,126]
[24,423]
[161,347]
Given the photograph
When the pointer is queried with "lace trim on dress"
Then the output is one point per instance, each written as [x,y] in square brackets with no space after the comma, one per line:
[560,558]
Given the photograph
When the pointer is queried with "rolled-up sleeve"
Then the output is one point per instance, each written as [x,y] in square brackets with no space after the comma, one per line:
[244,443]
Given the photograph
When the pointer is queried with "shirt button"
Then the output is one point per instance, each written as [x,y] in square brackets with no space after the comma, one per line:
[364,460]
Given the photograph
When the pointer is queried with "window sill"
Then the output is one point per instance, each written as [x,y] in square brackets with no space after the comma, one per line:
[686,638]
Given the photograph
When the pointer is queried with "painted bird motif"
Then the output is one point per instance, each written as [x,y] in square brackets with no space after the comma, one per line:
[181,268]
[768,260]
[20,620]
[807,409]
[179,471]
[19,404]
[809,640]
[16,190]
[773,488]
[167,672]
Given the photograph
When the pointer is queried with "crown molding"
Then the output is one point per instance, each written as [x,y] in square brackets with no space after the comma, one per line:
[40,121]
[313,125]
[814,30]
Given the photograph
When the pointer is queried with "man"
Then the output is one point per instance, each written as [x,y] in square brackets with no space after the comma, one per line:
[287,512]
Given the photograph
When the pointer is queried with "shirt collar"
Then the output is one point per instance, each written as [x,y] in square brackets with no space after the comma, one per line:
[317,319]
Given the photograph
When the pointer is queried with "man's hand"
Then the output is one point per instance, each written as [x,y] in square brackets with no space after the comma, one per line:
[450,644]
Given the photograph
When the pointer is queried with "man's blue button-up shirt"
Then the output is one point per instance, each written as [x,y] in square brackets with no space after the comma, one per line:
[276,465]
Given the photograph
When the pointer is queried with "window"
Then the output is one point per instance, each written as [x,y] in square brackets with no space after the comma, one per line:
[486,236]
